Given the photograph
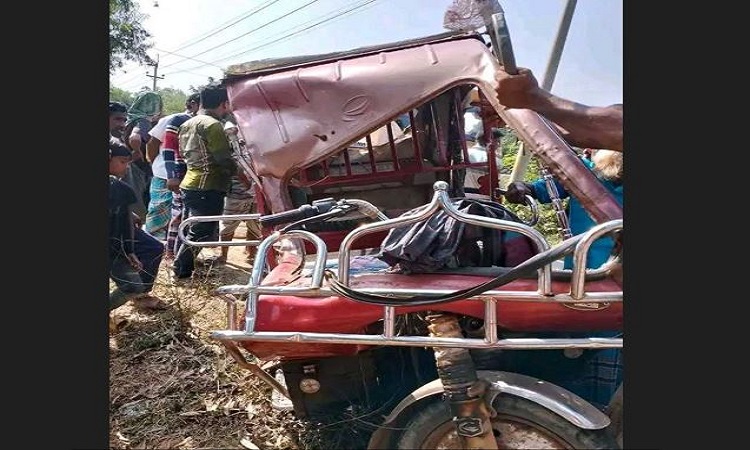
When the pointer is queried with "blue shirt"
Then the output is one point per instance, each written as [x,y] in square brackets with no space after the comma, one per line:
[579,219]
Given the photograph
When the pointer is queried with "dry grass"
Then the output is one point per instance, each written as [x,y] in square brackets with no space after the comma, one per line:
[173,387]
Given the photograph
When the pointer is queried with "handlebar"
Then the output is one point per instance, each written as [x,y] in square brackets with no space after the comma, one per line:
[326,206]
[293,215]
[504,47]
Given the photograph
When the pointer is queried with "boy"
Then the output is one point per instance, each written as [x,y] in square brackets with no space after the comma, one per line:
[134,255]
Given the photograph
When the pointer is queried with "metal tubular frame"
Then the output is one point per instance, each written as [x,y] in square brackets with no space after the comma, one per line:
[439,200]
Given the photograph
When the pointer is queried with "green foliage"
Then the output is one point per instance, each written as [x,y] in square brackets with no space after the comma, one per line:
[547,224]
[128,40]
[119,95]
[174,100]
[192,88]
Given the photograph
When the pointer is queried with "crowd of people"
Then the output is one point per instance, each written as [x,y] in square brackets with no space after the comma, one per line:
[163,169]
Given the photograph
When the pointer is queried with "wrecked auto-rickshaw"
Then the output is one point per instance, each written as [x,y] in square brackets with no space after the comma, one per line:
[390,284]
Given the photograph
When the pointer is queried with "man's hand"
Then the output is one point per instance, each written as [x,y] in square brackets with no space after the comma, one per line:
[173,184]
[517,91]
[135,262]
[517,192]
[136,155]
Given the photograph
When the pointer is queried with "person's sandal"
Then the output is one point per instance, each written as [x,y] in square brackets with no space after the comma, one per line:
[116,324]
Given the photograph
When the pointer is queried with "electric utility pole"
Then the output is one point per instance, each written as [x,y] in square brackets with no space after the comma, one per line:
[154,76]
[562,34]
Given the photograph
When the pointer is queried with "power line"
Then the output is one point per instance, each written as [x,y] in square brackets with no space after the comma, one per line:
[220,28]
[290,35]
[199,38]
[135,83]
[251,31]
[131,78]
[287,36]
[339,13]
[185,57]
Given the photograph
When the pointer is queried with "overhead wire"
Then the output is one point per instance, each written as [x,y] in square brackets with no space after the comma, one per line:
[337,14]
[289,35]
[224,26]
[249,32]
[192,41]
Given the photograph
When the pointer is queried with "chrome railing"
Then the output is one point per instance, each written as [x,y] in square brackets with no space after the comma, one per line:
[439,201]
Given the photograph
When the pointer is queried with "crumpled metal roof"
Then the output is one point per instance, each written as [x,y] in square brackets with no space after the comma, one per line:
[270,65]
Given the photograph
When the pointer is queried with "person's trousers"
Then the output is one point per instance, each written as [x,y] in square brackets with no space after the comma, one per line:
[150,251]
[130,282]
[174,223]
[197,203]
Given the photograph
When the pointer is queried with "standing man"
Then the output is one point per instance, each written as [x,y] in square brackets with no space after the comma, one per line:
[210,166]
[239,200]
[160,205]
[118,115]
[142,115]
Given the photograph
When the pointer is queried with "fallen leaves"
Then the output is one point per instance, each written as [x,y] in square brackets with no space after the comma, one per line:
[172,387]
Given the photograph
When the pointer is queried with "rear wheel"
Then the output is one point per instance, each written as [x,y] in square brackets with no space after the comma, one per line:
[520,424]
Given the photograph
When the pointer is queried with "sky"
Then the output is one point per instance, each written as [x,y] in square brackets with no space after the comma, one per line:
[196,39]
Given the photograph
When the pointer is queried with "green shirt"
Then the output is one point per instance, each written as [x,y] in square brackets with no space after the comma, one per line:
[207,153]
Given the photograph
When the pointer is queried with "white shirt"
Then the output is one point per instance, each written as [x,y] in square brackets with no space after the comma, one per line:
[159,131]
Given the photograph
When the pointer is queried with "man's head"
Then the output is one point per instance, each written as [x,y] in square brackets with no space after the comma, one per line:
[214,98]
[193,103]
[119,157]
[118,115]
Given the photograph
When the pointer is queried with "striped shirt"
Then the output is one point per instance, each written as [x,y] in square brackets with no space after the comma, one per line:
[207,153]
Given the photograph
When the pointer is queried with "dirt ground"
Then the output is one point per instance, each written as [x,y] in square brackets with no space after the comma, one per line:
[172,387]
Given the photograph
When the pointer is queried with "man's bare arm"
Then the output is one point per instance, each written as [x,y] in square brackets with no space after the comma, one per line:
[135,145]
[580,125]
[152,149]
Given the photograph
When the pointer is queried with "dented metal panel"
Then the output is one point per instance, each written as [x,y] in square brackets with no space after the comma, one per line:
[293,118]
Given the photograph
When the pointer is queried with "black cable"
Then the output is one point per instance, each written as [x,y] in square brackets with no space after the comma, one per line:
[522,270]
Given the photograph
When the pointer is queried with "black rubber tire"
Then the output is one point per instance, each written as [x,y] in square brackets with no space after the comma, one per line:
[434,421]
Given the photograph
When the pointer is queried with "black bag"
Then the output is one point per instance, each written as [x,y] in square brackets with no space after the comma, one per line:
[444,242]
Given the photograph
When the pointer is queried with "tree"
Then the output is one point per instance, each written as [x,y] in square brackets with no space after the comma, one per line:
[192,88]
[128,40]
[174,100]
[119,95]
